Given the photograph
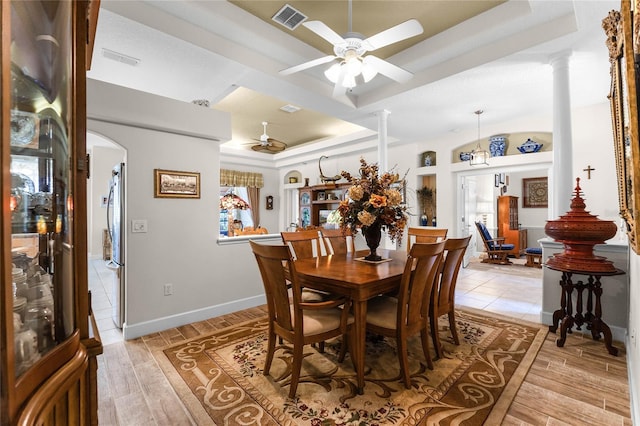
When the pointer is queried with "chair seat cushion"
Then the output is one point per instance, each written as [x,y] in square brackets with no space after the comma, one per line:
[316,322]
[533,250]
[503,247]
[382,311]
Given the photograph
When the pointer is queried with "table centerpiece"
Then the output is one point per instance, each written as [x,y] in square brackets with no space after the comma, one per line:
[373,204]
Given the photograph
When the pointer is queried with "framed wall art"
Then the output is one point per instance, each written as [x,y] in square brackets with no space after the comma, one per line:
[622,41]
[174,184]
[535,192]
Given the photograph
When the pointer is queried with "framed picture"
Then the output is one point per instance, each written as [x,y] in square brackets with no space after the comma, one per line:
[535,192]
[622,41]
[174,184]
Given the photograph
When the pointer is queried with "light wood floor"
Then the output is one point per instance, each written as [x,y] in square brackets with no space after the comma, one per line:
[579,384]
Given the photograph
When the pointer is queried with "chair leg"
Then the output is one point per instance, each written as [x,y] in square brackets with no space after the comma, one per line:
[435,336]
[295,369]
[452,327]
[271,347]
[404,362]
[425,347]
[321,347]
[343,348]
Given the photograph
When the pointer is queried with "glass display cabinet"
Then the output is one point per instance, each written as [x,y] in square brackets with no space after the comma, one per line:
[48,344]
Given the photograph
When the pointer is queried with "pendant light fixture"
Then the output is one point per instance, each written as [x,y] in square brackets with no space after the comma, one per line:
[478,155]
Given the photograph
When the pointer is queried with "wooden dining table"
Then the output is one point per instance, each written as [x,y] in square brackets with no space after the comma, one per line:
[359,281]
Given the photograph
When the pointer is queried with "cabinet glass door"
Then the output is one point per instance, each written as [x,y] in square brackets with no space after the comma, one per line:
[41,198]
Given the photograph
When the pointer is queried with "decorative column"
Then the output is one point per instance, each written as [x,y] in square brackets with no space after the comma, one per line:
[383,116]
[561,179]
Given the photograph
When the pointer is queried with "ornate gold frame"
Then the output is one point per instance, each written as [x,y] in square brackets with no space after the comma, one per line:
[175,184]
[623,44]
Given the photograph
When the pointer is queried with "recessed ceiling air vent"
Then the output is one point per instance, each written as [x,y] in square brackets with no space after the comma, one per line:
[120,57]
[290,108]
[289,17]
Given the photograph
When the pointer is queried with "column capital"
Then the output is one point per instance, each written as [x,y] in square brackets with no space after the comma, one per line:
[560,58]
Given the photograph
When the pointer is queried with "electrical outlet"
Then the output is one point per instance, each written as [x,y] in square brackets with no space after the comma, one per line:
[632,337]
[168,289]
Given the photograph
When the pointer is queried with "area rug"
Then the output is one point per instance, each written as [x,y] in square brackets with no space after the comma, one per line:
[219,377]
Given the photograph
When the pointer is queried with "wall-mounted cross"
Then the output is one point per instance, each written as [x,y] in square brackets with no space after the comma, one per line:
[588,170]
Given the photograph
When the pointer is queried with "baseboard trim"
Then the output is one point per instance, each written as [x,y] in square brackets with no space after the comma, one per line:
[133,331]
[618,333]
[634,392]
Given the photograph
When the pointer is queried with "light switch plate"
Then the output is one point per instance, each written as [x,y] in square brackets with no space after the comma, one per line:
[138,225]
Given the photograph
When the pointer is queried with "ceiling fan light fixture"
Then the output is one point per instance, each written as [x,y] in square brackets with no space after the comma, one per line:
[349,81]
[368,72]
[354,66]
[333,72]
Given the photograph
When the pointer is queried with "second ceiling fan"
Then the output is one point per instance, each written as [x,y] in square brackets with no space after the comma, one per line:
[267,144]
[350,51]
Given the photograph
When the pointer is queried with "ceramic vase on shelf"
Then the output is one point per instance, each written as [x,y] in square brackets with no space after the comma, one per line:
[372,235]
[424,219]
[497,145]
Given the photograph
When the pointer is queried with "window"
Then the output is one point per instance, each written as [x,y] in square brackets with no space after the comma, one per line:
[233,215]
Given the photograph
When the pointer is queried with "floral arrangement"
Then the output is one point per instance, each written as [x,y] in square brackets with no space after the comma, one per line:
[372,198]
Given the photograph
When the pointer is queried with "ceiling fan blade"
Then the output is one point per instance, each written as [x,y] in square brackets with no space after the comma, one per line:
[275,145]
[259,148]
[306,65]
[395,34]
[321,29]
[388,69]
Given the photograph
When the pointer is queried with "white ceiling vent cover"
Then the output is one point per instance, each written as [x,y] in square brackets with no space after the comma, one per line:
[290,108]
[289,17]
[120,57]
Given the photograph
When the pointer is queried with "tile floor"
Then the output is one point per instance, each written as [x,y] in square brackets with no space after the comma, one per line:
[513,290]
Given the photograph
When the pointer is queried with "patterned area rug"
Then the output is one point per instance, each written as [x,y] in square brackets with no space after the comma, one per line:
[219,378]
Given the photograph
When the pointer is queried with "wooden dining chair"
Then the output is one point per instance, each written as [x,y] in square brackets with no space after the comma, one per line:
[304,244]
[299,323]
[338,241]
[443,295]
[425,235]
[307,244]
[408,314]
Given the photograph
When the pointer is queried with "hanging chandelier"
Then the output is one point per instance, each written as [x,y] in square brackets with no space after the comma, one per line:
[478,155]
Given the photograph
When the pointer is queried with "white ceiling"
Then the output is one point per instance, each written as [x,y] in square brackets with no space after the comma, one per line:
[497,61]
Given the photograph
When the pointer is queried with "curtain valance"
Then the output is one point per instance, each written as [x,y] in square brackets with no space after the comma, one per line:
[236,178]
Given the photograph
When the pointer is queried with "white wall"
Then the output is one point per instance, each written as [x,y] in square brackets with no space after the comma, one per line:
[180,246]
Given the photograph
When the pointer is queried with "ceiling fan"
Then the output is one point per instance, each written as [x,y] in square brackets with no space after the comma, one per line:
[268,144]
[350,50]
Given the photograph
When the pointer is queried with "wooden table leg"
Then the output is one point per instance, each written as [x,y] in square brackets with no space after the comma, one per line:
[360,328]
[597,325]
